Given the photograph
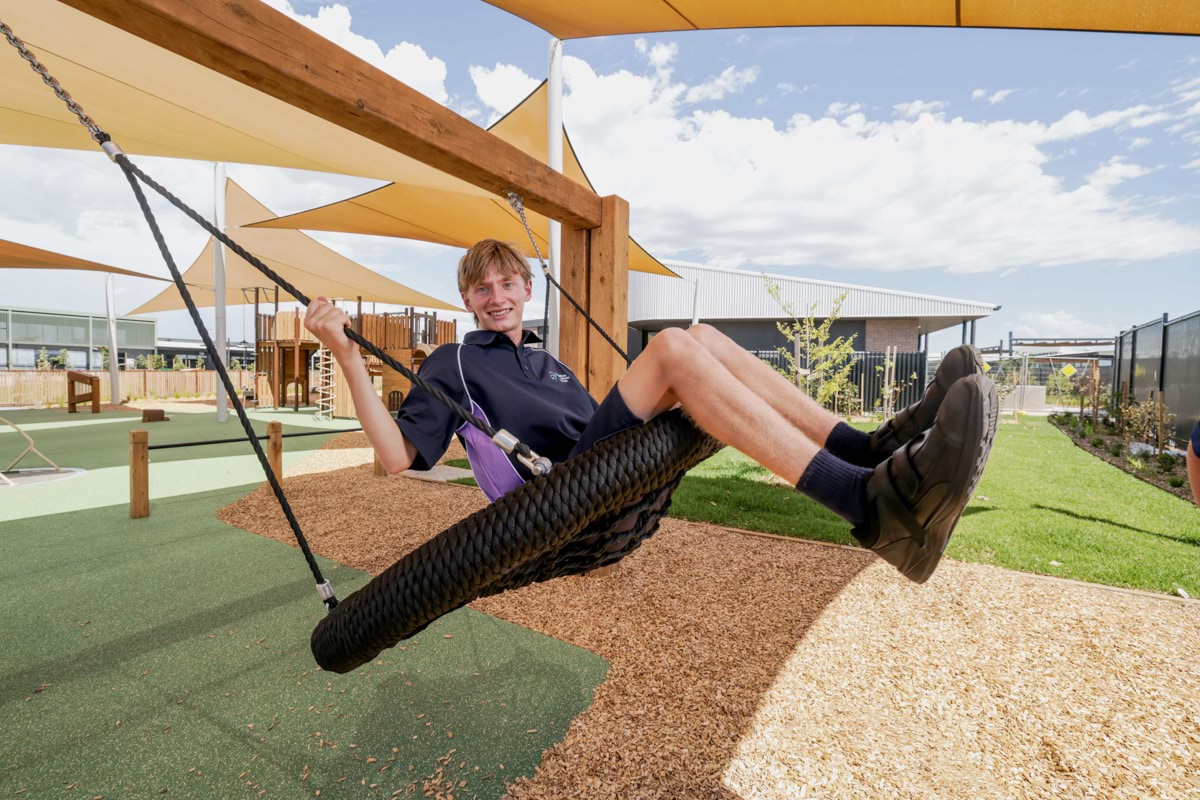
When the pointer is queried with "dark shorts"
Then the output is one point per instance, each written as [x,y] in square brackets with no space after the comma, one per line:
[612,417]
[1196,440]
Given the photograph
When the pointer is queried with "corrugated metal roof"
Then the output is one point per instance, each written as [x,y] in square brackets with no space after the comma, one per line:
[729,294]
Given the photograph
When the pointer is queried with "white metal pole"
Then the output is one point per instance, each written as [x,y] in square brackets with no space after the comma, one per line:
[114,392]
[554,159]
[696,301]
[222,341]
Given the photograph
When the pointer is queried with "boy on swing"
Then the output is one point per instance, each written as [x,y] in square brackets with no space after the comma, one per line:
[903,487]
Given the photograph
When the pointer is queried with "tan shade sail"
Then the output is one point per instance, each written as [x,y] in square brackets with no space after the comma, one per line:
[452,217]
[311,267]
[577,20]
[154,102]
[22,256]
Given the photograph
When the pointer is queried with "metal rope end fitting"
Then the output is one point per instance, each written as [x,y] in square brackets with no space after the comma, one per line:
[112,149]
[538,465]
[325,590]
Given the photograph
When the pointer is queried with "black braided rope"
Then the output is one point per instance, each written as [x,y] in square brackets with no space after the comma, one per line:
[216,359]
[589,511]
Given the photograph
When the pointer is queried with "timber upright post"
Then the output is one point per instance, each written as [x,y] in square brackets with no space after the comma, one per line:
[275,448]
[139,474]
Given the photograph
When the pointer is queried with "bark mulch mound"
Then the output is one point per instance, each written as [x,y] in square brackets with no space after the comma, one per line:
[755,667]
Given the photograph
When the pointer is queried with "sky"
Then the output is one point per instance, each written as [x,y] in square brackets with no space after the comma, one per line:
[1051,173]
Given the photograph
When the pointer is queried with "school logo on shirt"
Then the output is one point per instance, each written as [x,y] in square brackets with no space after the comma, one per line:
[556,376]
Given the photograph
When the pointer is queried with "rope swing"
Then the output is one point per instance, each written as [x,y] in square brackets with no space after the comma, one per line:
[582,514]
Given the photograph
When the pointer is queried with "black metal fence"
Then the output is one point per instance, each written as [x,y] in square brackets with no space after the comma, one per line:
[868,375]
[1162,356]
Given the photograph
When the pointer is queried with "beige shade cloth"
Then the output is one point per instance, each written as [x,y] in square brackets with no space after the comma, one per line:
[21,256]
[311,267]
[154,102]
[454,218]
[577,20]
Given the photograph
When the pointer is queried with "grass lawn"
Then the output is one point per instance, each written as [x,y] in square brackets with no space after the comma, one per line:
[1043,506]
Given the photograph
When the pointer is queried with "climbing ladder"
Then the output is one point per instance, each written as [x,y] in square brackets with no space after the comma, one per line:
[326,384]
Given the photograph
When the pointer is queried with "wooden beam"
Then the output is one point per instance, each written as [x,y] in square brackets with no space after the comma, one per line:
[608,295]
[253,44]
[573,328]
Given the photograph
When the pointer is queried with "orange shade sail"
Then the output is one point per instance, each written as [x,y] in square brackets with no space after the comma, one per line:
[14,255]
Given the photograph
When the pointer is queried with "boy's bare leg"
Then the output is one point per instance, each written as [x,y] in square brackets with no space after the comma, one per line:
[675,368]
[786,398]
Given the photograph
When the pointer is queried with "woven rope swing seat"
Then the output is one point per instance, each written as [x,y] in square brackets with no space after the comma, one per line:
[586,513]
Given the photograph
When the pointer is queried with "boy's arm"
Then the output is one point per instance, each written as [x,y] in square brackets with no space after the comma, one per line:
[328,323]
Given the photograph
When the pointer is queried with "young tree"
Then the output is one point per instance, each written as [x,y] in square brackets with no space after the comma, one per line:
[62,360]
[140,361]
[158,361]
[200,361]
[43,359]
[817,362]
[178,363]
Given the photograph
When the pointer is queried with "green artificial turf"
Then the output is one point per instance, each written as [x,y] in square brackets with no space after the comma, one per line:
[27,416]
[1043,506]
[107,445]
[461,463]
[169,657]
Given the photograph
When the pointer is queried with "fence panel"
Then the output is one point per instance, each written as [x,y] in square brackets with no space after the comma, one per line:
[49,387]
[1181,376]
[867,375]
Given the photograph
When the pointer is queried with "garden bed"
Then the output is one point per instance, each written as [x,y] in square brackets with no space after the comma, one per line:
[1166,471]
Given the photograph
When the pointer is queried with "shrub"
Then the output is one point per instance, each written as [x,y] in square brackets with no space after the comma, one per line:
[1166,462]
[1136,464]
[1098,442]
[1116,449]
[1175,481]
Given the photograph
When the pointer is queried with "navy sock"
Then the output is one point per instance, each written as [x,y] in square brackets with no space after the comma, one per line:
[850,445]
[840,487]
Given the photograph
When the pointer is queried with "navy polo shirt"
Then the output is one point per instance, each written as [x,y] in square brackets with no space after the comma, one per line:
[524,390]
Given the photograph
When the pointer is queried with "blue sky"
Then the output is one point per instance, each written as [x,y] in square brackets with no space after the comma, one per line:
[1052,173]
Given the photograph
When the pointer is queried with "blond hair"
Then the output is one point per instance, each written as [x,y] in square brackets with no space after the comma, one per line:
[473,266]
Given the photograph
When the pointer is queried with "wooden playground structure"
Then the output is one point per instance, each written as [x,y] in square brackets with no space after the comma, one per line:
[77,396]
[292,366]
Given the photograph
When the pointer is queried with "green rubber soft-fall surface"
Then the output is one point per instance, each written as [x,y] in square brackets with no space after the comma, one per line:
[168,657]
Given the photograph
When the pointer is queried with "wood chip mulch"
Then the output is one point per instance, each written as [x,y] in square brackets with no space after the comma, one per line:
[752,667]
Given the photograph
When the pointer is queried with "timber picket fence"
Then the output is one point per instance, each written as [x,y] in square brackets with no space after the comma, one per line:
[40,388]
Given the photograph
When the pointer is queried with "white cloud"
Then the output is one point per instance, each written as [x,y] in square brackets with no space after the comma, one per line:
[842,109]
[1139,142]
[659,54]
[789,88]
[853,191]
[999,97]
[407,62]
[1195,164]
[730,81]
[916,108]
[978,93]
[1059,325]
[501,87]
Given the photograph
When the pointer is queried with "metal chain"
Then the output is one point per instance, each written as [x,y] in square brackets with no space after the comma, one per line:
[97,133]
[518,203]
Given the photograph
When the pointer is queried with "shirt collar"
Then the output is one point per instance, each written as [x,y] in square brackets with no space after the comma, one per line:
[484,338]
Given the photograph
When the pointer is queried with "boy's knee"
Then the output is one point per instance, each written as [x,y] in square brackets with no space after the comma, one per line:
[704,333]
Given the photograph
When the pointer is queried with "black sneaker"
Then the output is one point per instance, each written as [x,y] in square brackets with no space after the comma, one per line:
[960,362]
[916,497]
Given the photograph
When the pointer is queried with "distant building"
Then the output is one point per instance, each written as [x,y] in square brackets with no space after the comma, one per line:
[25,332]
[737,303]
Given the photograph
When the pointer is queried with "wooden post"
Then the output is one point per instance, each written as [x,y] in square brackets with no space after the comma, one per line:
[380,472]
[296,360]
[608,290]
[139,474]
[573,329]
[275,448]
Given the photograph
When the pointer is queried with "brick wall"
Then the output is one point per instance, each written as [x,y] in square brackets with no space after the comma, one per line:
[898,333]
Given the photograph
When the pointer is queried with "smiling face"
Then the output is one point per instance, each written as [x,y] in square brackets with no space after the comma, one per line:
[498,301]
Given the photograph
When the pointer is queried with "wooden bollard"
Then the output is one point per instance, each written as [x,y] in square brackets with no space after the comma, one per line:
[139,474]
[275,448]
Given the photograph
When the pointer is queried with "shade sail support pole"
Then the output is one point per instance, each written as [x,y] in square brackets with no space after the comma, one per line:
[114,392]
[554,158]
[219,287]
